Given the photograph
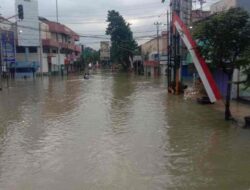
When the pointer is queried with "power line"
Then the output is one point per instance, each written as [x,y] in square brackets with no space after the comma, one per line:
[104,21]
[33,28]
[89,36]
[134,7]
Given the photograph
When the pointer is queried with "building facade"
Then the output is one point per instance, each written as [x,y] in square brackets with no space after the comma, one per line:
[59,46]
[198,15]
[150,55]
[151,46]
[43,46]
[57,51]
[223,5]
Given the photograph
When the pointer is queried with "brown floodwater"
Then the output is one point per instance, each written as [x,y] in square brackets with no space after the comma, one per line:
[115,132]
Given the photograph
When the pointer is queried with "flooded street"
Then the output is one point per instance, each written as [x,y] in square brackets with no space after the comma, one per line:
[115,132]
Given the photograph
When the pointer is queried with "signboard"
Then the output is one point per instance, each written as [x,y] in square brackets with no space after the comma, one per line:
[105,51]
[8,49]
[28,28]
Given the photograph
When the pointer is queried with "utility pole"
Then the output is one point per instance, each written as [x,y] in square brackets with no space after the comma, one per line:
[176,8]
[1,58]
[41,49]
[157,24]
[57,34]
[85,65]
[169,67]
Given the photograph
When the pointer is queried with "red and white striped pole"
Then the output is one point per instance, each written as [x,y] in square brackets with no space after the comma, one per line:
[199,62]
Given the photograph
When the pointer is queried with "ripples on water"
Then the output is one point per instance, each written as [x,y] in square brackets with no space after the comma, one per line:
[115,132]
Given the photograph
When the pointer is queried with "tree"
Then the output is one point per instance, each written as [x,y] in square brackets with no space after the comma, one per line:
[245,59]
[223,38]
[123,45]
[90,55]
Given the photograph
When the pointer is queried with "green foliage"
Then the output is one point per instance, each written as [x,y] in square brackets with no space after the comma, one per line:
[90,55]
[245,59]
[123,44]
[223,38]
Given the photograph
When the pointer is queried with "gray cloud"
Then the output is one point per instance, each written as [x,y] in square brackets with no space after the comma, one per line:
[88,17]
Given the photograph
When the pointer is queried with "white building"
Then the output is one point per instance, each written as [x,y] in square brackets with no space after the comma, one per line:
[223,5]
[149,51]
[54,37]
[44,46]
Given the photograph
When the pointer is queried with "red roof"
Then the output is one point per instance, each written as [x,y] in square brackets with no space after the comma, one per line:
[54,43]
[60,28]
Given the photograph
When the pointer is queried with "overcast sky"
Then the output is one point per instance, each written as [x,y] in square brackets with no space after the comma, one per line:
[87,17]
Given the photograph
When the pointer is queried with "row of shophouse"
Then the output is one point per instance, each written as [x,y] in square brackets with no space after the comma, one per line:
[56,49]
[154,67]
[59,49]
[149,49]
[155,62]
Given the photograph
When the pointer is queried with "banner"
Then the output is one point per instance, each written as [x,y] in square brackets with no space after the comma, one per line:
[8,48]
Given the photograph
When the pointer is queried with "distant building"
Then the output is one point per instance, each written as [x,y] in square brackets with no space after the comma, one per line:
[150,55]
[223,5]
[198,15]
[151,46]
[105,51]
[58,37]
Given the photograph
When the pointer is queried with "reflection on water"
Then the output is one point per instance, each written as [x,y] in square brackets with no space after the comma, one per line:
[115,132]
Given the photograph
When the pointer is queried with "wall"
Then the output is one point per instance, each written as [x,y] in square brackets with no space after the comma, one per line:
[221,80]
[163,69]
[151,46]
[164,41]
[30,33]
[45,34]
[198,15]
[44,68]
[223,5]
[227,4]
[33,57]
